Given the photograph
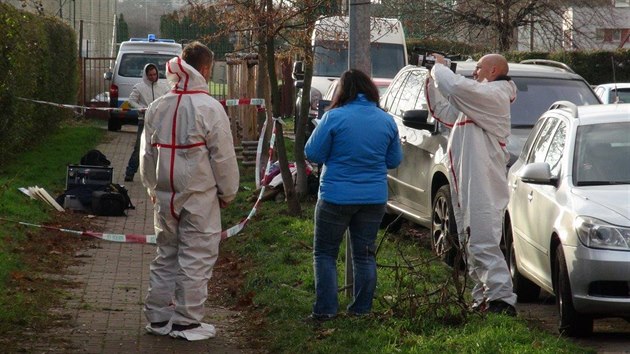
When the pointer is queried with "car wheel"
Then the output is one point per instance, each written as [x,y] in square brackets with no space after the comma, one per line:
[113,124]
[443,227]
[572,323]
[525,289]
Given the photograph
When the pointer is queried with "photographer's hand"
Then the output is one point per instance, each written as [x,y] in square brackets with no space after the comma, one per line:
[439,58]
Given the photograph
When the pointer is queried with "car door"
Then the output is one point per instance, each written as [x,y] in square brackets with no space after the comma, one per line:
[412,177]
[534,206]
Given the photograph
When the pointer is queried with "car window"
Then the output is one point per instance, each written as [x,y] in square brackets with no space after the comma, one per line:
[543,141]
[530,139]
[535,95]
[132,64]
[413,89]
[622,94]
[390,101]
[601,154]
[556,148]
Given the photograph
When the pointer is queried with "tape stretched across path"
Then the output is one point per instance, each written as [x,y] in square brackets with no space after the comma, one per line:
[151,239]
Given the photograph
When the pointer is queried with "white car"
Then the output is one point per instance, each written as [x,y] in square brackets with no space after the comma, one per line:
[614,93]
[567,224]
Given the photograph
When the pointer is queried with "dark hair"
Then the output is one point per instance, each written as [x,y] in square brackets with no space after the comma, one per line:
[197,55]
[149,67]
[351,83]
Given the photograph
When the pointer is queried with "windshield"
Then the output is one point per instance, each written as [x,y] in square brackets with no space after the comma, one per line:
[132,64]
[621,95]
[602,154]
[331,59]
[535,95]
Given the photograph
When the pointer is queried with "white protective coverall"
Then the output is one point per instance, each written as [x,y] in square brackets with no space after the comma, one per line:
[187,163]
[145,92]
[478,114]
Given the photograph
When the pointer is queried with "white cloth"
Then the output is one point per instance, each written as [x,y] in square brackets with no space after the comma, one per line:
[478,114]
[188,163]
[145,92]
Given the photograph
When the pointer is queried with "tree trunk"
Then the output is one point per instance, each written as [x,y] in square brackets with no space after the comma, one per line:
[287,179]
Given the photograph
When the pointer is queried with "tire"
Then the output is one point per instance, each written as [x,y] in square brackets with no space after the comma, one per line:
[571,323]
[525,289]
[113,124]
[444,238]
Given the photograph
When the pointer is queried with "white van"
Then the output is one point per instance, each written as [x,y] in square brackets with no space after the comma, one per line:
[133,55]
[388,52]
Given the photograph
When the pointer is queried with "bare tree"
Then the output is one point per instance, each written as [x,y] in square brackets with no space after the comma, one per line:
[497,22]
[272,28]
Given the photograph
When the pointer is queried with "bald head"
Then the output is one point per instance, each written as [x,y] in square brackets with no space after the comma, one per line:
[490,67]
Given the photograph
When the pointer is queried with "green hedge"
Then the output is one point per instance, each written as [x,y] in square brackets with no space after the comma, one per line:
[38,60]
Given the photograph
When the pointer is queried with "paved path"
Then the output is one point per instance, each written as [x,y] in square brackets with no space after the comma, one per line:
[107,307]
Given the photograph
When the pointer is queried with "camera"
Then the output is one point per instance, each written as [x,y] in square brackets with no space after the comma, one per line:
[423,57]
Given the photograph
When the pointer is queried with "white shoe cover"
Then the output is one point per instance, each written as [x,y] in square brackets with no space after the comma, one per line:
[202,332]
[159,331]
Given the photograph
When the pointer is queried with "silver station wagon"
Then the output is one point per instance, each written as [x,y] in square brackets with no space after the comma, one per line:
[567,225]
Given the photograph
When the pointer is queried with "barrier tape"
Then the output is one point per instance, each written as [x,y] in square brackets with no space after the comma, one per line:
[151,239]
[258,102]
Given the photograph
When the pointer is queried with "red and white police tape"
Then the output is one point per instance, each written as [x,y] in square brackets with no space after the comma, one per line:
[151,239]
[258,102]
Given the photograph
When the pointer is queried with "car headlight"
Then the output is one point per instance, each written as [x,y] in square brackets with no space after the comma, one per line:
[596,233]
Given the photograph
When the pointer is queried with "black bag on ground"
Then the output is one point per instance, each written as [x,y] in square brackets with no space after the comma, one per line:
[112,201]
[94,158]
[106,203]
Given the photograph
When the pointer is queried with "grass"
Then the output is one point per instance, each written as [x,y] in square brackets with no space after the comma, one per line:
[411,313]
[23,296]
[415,310]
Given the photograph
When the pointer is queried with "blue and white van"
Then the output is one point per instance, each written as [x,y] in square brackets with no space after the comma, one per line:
[133,55]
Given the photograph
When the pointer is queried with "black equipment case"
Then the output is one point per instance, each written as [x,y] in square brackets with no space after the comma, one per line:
[86,175]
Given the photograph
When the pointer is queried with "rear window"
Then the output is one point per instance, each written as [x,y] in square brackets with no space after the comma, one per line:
[622,94]
[132,64]
[535,95]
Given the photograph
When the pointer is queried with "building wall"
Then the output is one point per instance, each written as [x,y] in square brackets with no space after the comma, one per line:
[583,29]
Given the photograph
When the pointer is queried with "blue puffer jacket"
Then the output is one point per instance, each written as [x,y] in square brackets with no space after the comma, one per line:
[357,143]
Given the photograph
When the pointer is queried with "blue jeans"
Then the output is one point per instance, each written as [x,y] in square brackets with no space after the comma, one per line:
[331,222]
[134,159]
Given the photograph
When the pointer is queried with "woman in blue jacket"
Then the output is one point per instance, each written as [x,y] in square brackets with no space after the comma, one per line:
[357,143]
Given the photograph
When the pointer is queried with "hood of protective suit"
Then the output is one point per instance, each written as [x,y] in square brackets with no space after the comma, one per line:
[145,78]
[183,77]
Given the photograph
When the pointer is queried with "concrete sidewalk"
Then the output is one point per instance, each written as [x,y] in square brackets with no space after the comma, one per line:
[107,307]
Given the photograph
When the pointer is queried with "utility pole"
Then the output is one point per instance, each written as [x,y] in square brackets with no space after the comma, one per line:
[358,58]
[359,37]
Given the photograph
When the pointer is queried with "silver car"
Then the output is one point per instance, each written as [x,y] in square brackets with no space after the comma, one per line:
[567,225]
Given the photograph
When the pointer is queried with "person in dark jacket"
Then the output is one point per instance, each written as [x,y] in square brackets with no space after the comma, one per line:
[357,142]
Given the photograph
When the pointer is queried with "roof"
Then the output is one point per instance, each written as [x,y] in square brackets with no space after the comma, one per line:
[604,113]
[530,70]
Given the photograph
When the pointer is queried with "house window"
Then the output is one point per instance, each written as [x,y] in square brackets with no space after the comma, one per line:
[600,34]
[622,3]
[616,35]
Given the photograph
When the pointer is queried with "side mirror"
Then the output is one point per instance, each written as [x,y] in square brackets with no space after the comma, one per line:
[108,75]
[537,173]
[417,119]
[298,71]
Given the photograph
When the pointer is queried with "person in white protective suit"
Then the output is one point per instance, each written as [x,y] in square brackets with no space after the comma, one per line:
[142,94]
[189,167]
[478,114]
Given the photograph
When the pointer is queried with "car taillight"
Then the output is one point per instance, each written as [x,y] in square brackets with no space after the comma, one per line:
[113,95]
